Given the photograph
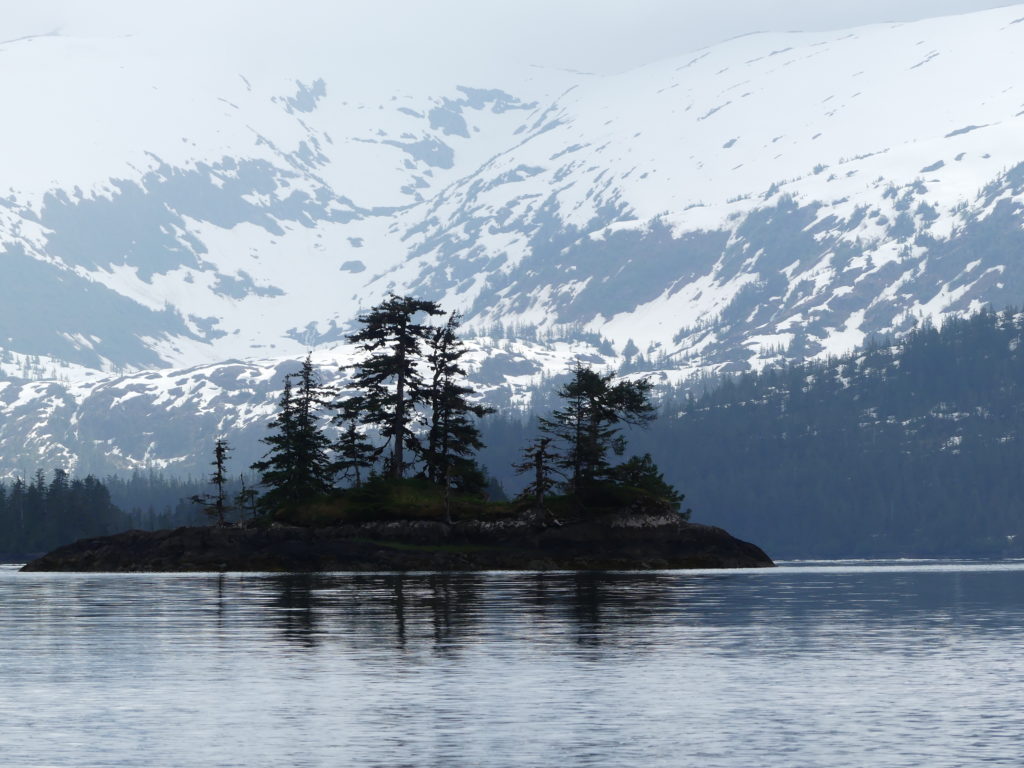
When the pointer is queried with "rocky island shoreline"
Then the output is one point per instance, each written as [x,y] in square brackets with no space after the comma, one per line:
[413,495]
[610,541]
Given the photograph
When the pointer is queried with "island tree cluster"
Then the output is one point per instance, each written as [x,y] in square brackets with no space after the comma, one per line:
[407,411]
[406,418]
[578,440]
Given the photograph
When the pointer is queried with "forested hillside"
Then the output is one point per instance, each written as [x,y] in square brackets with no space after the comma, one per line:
[42,513]
[46,511]
[912,448]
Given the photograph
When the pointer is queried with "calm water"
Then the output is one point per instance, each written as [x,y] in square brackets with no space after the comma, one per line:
[848,664]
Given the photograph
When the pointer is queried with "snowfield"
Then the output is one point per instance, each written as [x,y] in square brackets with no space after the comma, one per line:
[174,197]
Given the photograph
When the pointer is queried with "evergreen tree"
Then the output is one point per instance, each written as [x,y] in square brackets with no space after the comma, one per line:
[453,435]
[246,498]
[641,472]
[355,452]
[278,468]
[36,522]
[61,517]
[91,499]
[390,385]
[6,523]
[312,399]
[539,461]
[296,467]
[589,423]
[16,514]
[215,504]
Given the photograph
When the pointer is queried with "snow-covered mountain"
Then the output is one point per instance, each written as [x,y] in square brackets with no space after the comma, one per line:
[164,206]
[164,419]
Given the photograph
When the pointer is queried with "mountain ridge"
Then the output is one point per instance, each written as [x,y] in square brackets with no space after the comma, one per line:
[269,216]
[774,198]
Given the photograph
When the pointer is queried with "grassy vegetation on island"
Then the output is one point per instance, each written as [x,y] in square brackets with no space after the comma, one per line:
[384,499]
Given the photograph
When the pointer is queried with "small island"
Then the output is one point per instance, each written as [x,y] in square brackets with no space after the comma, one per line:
[628,539]
[413,495]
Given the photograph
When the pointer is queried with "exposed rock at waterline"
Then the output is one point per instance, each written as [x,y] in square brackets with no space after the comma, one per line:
[602,542]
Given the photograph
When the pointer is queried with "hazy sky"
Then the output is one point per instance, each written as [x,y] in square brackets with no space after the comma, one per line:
[610,35]
[601,36]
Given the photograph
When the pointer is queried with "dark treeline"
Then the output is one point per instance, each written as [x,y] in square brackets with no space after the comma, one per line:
[42,513]
[907,448]
[47,511]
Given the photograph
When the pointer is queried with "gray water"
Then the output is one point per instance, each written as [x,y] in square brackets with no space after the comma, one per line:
[847,664]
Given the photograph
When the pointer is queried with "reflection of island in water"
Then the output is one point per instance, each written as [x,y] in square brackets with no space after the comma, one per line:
[380,615]
[443,611]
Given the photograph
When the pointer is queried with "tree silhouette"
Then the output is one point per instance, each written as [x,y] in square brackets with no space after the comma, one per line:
[641,472]
[589,423]
[538,459]
[355,452]
[390,385]
[296,467]
[453,435]
[215,504]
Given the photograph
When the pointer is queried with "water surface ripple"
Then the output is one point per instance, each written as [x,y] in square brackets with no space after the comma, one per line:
[811,664]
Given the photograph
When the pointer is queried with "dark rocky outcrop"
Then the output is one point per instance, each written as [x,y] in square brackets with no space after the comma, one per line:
[606,542]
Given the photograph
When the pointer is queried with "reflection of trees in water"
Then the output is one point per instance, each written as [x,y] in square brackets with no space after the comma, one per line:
[295,607]
[595,607]
[406,611]
[444,611]
[398,603]
[377,610]
[588,595]
[381,618]
[454,608]
[220,602]
[591,608]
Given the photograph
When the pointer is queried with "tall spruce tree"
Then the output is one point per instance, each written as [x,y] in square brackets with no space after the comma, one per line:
[215,504]
[453,435]
[589,424]
[296,467]
[390,385]
[277,468]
